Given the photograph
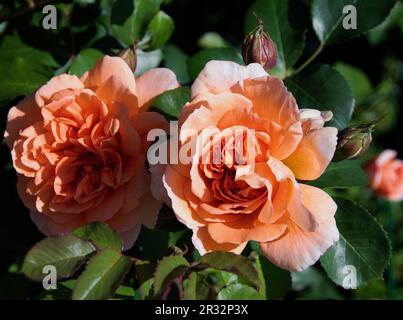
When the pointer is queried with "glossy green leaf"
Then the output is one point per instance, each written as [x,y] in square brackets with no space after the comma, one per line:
[104,273]
[84,61]
[363,250]
[147,60]
[239,292]
[121,11]
[171,102]
[124,293]
[167,270]
[321,87]
[328,16]
[23,68]
[385,30]
[343,174]
[129,23]
[197,62]
[101,236]
[176,60]
[160,30]
[313,284]
[65,253]
[289,42]
[233,263]
[144,11]
[358,81]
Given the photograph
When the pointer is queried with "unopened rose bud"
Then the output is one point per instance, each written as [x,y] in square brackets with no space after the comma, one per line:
[258,47]
[130,57]
[354,142]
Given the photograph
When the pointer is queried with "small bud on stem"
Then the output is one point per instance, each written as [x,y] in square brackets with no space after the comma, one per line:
[130,57]
[354,142]
[258,47]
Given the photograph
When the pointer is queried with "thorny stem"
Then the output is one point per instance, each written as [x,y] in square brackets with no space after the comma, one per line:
[166,293]
[310,59]
[179,285]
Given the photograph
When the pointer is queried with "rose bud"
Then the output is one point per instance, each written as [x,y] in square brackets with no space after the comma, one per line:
[130,57]
[353,142]
[258,47]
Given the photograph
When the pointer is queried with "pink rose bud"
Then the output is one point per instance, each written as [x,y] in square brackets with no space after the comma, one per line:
[354,142]
[258,47]
[130,57]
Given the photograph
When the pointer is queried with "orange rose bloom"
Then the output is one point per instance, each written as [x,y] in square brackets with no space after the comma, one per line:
[226,204]
[79,148]
[386,175]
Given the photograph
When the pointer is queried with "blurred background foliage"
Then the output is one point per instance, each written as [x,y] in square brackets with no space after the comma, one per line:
[182,35]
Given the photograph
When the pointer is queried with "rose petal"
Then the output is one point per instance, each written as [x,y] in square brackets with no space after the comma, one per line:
[220,76]
[105,69]
[152,83]
[297,249]
[204,243]
[313,154]
[21,116]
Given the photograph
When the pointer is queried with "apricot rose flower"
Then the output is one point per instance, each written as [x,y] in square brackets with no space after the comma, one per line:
[386,175]
[79,148]
[228,203]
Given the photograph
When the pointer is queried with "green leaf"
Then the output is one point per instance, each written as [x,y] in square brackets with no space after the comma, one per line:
[64,291]
[211,40]
[239,292]
[101,235]
[289,42]
[167,270]
[65,253]
[147,60]
[160,30]
[196,287]
[176,60]
[276,281]
[23,68]
[197,62]
[327,17]
[314,284]
[84,61]
[124,293]
[121,11]
[358,81]
[144,274]
[363,245]
[190,287]
[383,32]
[144,11]
[104,273]
[233,263]
[153,244]
[171,102]
[321,87]
[128,25]
[343,174]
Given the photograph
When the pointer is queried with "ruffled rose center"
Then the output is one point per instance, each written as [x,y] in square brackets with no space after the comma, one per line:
[78,149]
[222,155]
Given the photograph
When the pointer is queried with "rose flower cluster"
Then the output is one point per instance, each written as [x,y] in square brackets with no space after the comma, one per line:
[79,147]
